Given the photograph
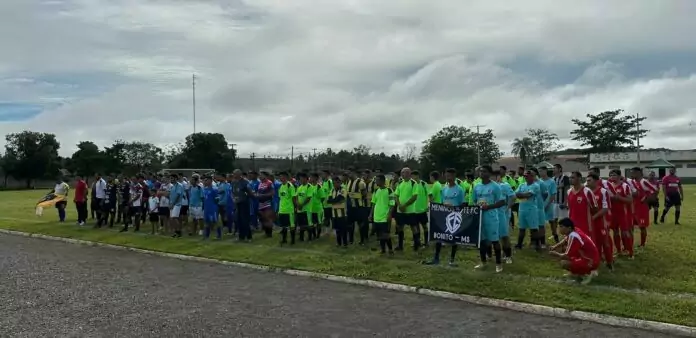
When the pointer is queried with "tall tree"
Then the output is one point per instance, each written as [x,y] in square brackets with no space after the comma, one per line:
[204,151]
[87,160]
[132,157]
[609,131]
[456,147]
[536,146]
[34,155]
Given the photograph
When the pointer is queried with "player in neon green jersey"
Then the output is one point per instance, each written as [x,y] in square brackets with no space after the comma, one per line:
[422,205]
[286,208]
[382,205]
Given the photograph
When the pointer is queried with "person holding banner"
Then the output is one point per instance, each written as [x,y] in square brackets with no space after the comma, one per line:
[581,256]
[489,197]
[528,214]
[451,195]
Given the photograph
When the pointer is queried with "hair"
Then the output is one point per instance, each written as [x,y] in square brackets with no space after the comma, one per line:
[469,176]
[435,174]
[397,173]
[520,167]
[558,166]
[253,173]
[367,171]
[314,175]
[567,222]
[502,167]
[140,176]
[378,170]
[415,173]
[283,173]
[174,176]
[451,171]
[264,173]
[576,174]
[487,168]
[380,177]
[615,172]
[637,169]
[594,169]
[534,170]
[301,175]
[593,176]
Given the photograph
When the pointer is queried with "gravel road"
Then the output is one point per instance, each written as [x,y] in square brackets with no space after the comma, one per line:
[53,289]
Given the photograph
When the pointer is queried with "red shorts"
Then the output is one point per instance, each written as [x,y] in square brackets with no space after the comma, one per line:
[620,222]
[581,266]
[641,217]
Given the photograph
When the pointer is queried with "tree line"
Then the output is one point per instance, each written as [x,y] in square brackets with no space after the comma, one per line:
[31,155]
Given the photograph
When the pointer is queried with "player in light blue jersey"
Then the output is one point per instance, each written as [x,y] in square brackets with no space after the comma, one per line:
[527,193]
[488,196]
[549,185]
[504,215]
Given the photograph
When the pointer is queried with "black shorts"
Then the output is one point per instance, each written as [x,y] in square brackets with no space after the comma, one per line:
[673,200]
[95,203]
[421,217]
[340,223]
[285,220]
[382,228]
[163,211]
[315,218]
[516,207]
[184,210]
[358,214]
[61,204]
[404,219]
[154,218]
[135,211]
[108,207]
[328,213]
[301,219]
[653,204]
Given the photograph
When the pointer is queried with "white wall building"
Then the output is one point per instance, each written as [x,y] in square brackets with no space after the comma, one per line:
[683,160]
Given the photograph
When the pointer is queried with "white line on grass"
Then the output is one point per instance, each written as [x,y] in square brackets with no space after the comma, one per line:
[681,330]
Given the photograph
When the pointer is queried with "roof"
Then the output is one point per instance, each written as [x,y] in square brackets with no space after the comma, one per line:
[660,163]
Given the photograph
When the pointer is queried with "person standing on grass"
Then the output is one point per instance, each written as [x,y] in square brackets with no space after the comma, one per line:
[674,195]
[61,189]
[183,216]
[599,219]
[339,217]
[242,195]
[210,209]
[488,196]
[196,204]
[108,207]
[134,205]
[645,194]
[80,200]
[175,194]
[382,201]
[581,256]
[163,208]
[153,210]
[99,193]
[265,195]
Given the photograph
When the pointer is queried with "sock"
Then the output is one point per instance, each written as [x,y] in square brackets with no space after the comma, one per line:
[643,237]
[677,213]
[310,234]
[438,248]
[482,252]
[655,216]
[453,253]
[512,219]
[389,245]
[489,251]
[383,245]
[61,214]
[269,232]
[520,238]
[628,243]
[555,238]
[617,242]
[292,236]
[416,241]
[507,251]
[218,232]
[318,230]
[664,214]
[302,231]
[608,251]
[425,234]
[284,235]
[400,243]
[542,235]
[496,251]
[206,232]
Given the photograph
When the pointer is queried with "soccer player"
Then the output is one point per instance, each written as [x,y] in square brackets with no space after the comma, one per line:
[528,214]
[254,202]
[152,206]
[316,206]
[435,192]
[357,190]
[210,209]
[580,202]
[674,195]
[339,217]
[370,187]
[405,195]
[504,215]
[422,205]
[644,193]
[327,187]
[108,207]
[548,184]
[287,200]
[561,206]
[382,203]
[176,194]
[265,193]
[654,203]
[489,197]
[599,219]
[304,193]
[621,212]
[581,256]
[452,195]
[196,204]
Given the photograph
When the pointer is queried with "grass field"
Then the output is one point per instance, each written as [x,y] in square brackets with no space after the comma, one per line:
[660,284]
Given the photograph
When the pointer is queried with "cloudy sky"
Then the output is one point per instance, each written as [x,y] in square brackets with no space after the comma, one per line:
[339,73]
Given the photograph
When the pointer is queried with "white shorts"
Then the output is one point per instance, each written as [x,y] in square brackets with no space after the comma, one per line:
[174,211]
[560,213]
[196,212]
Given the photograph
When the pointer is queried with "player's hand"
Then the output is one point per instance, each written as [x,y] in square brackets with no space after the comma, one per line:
[484,207]
[370,218]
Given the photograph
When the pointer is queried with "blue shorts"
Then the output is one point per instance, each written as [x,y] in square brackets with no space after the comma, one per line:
[528,219]
[490,225]
[503,224]
[210,217]
[551,212]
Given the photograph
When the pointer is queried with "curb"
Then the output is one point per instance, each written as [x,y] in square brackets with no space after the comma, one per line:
[681,330]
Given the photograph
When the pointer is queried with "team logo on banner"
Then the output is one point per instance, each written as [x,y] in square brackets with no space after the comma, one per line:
[453,222]
[455,225]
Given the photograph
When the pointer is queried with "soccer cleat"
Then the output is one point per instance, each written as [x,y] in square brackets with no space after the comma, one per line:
[508,260]
[432,262]
[452,264]
[498,268]
[594,273]
[480,266]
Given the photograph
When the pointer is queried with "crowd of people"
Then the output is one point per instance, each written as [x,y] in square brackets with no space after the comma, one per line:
[590,220]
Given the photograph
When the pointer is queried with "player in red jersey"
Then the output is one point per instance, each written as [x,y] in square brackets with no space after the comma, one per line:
[643,195]
[581,257]
[600,214]
[674,195]
[580,203]
[621,221]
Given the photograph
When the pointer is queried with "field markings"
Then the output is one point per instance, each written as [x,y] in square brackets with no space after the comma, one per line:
[675,329]
[467,272]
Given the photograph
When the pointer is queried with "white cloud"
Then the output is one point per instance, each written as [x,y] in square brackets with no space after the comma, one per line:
[273,74]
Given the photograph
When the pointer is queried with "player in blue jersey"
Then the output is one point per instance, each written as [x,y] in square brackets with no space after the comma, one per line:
[488,196]
[505,214]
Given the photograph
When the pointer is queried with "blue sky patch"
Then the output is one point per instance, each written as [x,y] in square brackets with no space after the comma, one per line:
[13,112]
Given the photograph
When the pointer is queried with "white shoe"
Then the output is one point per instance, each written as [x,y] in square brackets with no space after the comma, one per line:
[594,273]
[480,266]
[200,232]
[81,223]
[498,268]
[508,260]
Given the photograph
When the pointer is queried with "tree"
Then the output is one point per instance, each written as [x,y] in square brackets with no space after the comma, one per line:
[536,147]
[131,158]
[32,155]
[456,147]
[609,131]
[204,151]
[87,160]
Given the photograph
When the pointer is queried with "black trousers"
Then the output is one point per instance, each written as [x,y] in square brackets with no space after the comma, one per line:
[81,211]
[243,220]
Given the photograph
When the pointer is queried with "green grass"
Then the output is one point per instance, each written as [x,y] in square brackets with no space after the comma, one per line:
[659,284]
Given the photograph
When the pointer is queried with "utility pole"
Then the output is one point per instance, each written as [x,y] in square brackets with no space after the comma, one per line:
[234,153]
[292,159]
[253,161]
[478,144]
[314,158]
[638,139]
[193,85]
